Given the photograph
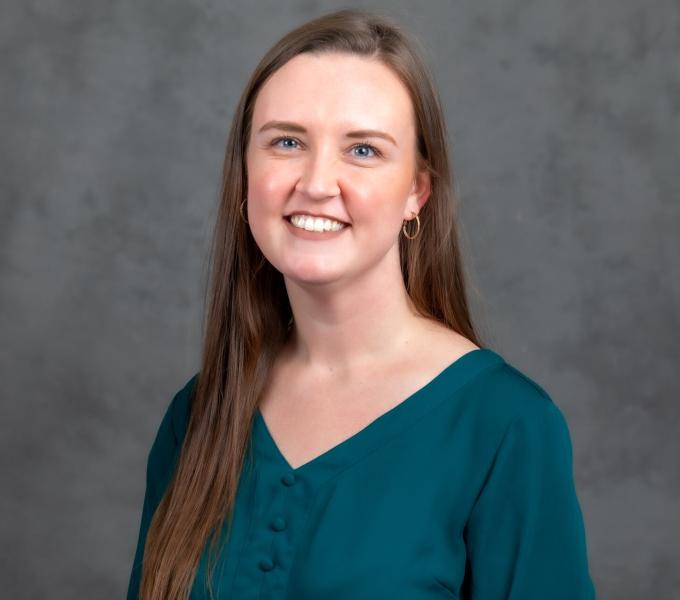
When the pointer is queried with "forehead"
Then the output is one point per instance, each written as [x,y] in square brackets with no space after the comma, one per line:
[336,90]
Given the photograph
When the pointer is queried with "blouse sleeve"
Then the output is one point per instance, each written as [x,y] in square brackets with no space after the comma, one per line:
[160,464]
[525,534]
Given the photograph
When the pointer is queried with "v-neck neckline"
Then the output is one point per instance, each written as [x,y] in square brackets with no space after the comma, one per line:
[372,435]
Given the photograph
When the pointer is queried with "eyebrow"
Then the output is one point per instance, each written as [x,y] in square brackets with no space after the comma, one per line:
[296,128]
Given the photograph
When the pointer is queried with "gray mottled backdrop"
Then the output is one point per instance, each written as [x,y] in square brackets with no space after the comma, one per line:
[565,130]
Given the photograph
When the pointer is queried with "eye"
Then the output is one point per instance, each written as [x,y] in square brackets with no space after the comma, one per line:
[376,153]
[275,141]
[373,149]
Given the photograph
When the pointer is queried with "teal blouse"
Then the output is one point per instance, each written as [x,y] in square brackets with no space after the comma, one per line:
[463,490]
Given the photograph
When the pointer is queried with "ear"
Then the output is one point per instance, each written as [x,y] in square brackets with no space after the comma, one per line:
[420,192]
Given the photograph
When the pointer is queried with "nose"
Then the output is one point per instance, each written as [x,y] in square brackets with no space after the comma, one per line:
[319,177]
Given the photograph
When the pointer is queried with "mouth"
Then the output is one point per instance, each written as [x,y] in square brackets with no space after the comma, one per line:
[289,217]
[307,234]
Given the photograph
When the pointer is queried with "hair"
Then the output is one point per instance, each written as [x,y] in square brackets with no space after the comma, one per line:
[249,317]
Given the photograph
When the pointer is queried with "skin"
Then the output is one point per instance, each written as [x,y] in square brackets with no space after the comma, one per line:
[350,306]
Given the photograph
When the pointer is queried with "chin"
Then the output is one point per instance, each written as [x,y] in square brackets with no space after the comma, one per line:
[311,276]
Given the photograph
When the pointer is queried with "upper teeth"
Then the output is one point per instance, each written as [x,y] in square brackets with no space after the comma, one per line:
[315,223]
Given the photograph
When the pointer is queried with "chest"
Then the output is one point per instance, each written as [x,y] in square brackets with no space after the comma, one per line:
[384,520]
[307,416]
[306,421]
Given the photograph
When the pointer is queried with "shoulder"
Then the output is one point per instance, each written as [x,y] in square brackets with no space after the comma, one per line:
[180,408]
[506,400]
[173,424]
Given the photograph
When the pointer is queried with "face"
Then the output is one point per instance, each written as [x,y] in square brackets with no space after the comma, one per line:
[304,155]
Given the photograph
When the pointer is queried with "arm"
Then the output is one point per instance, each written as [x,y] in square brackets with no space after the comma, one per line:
[525,534]
[159,468]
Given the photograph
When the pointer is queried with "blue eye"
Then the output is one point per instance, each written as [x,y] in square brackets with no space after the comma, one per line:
[371,148]
[279,139]
[376,152]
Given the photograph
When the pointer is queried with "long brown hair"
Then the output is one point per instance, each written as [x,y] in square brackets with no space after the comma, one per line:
[247,313]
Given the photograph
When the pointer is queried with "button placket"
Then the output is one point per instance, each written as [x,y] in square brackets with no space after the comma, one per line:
[278,523]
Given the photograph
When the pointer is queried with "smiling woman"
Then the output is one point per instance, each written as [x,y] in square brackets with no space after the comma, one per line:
[320,173]
[347,435]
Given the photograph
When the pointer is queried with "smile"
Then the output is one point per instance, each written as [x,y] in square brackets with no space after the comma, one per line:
[315,229]
[315,223]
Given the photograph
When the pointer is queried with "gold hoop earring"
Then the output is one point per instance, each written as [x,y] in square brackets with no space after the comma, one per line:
[415,235]
[241,210]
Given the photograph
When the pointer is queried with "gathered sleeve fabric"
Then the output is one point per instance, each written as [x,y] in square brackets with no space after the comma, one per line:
[525,533]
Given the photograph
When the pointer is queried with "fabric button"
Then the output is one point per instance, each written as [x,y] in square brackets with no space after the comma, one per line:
[266,564]
[288,479]
[278,524]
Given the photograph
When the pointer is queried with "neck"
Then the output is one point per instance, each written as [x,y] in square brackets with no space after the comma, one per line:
[351,327]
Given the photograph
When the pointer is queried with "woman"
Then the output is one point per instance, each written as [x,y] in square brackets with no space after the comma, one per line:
[347,435]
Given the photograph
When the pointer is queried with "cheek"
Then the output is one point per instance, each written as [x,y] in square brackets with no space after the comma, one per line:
[271,188]
[375,232]
[380,207]
[383,191]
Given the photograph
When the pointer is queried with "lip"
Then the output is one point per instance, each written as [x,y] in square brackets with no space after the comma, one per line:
[309,214]
[313,235]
